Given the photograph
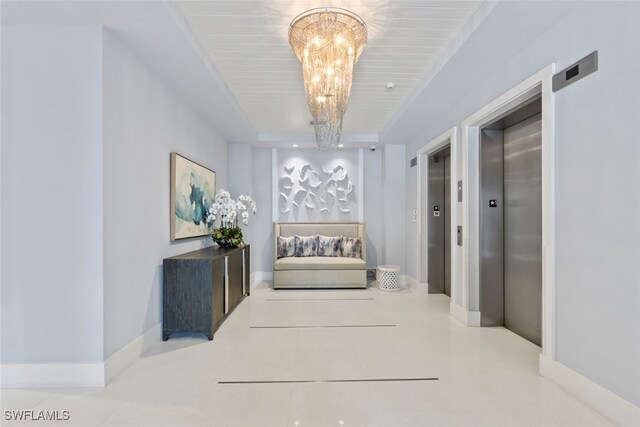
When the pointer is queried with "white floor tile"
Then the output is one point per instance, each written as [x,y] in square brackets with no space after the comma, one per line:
[331,404]
[486,376]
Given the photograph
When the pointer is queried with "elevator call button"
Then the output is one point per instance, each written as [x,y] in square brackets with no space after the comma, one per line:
[493,203]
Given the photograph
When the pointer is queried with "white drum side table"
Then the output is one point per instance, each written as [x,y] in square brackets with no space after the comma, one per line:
[389,277]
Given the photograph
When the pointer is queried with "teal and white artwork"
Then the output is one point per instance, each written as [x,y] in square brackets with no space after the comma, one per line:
[193,188]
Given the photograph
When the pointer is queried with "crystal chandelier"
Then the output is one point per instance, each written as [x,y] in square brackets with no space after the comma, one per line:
[328,42]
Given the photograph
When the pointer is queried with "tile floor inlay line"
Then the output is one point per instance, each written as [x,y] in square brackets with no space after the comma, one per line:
[321,326]
[362,380]
[320,299]
[487,376]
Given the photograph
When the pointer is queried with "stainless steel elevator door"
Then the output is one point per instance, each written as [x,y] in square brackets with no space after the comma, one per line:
[492,228]
[447,225]
[523,229]
[439,222]
[435,224]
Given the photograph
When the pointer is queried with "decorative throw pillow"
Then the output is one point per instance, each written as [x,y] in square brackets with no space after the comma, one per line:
[329,245]
[286,246]
[352,247]
[307,245]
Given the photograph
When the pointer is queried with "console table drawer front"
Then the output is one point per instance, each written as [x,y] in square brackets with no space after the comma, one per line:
[235,275]
[196,287]
[218,292]
[187,295]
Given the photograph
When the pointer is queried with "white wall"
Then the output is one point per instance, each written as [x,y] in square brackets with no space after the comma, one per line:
[373,202]
[371,199]
[52,208]
[262,224]
[87,133]
[597,173]
[240,179]
[394,197]
[411,228]
[144,121]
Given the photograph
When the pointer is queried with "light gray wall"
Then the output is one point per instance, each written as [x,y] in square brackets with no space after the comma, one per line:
[250,173]
[52,209]
[394,202]
[411,228]
[240,180]
[262,226]
[144,121]
[597,173]
[373,202]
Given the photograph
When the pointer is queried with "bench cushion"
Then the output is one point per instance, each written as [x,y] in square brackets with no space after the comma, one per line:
[306,246]
[286,246]
[330,245]
[319,263]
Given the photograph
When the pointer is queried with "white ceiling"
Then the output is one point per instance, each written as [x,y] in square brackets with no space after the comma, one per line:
[247,42]
[156,32]
[160,35]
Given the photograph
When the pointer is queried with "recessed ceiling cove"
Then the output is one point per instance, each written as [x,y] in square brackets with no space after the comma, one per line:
[247,42]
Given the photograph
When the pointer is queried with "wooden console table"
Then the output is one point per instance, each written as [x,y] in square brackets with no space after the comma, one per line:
[201,288]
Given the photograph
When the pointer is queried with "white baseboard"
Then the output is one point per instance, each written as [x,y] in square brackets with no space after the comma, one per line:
[95,374]
[612,406]
[469,318]
[39,375]
[407,281]
[259,276]
[423,286]
[128,354]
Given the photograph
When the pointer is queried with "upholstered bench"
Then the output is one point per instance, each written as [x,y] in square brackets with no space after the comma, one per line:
[338,259]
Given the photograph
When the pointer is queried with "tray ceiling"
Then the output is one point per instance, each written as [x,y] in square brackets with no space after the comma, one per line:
[247,42]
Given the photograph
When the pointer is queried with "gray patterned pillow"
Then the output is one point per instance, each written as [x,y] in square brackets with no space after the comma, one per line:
[352,247]
[329,246]
[286,246]
[307,245]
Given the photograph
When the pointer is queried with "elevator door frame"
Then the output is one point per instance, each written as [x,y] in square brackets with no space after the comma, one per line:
[450,137]
[537,85]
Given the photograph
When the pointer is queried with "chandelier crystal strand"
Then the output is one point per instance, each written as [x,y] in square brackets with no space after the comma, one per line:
[328,43]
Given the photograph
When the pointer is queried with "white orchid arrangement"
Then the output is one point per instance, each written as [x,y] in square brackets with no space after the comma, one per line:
[229,210]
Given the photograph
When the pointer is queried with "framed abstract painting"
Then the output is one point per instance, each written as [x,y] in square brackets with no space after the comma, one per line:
[193,188]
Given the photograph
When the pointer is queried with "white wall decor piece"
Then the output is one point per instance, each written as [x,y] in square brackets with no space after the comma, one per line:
[312,190]
[317,186]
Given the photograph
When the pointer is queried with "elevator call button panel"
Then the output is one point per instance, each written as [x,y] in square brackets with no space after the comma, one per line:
[436,210]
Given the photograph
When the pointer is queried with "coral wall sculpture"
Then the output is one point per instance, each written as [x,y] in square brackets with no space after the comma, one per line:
[324,191]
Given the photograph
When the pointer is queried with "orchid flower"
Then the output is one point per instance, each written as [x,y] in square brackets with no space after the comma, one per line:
[228,210]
